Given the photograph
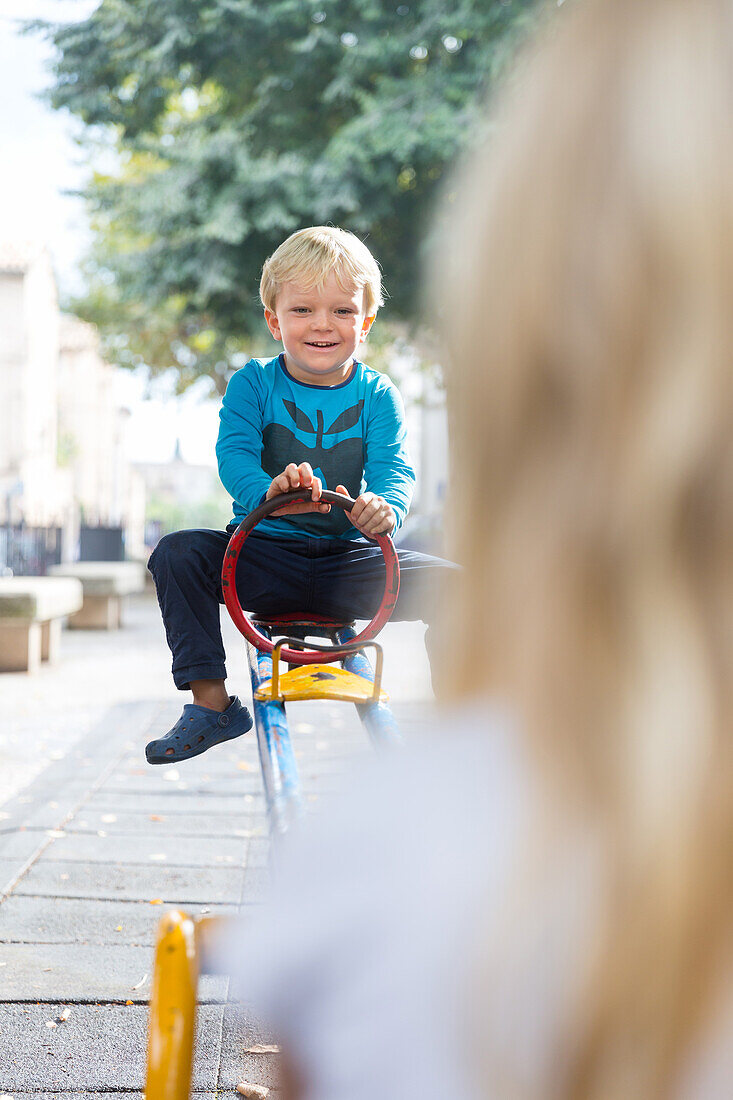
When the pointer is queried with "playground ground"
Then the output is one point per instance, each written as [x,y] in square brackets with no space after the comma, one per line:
[95,844]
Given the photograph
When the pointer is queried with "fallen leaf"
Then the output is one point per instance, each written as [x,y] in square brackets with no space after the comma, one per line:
[156,901]
[141,983]
[109,818]
[129,1002]
[118,928]
[63,877]
[63,1016]
[51,1023]
[252,1092]
[245,766]
[263,1048]
[156,817]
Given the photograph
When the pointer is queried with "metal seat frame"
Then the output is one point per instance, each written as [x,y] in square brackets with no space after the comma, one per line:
[277,758]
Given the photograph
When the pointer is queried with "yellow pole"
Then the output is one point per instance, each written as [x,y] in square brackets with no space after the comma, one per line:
[172,1010]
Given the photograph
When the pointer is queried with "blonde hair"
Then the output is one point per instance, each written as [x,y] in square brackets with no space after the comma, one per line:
[309,256]
[587,291]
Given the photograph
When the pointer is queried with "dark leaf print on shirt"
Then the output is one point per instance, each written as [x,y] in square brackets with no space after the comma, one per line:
[342,463]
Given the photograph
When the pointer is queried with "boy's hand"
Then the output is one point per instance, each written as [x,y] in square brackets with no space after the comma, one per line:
[297,477]
[371,514]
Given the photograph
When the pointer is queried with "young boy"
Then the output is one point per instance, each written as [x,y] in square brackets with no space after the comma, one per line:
[312,417]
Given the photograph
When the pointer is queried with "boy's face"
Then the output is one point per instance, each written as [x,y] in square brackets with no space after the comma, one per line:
[320,330]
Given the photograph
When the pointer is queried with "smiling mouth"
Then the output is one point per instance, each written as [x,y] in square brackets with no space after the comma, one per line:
[321,344]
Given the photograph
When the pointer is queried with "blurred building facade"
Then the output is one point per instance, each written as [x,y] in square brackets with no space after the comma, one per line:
[62,447]
[107,489]
[32,486]
[182,494]
[427,429]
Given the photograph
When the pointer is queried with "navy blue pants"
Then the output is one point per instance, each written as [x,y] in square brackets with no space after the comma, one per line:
[341,579]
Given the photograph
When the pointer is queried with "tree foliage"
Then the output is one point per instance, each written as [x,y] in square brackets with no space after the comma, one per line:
[230,123]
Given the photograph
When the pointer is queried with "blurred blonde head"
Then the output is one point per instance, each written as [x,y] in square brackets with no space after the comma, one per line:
[587,291]
[309,256]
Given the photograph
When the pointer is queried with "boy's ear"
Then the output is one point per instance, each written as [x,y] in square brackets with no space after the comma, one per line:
[273,324]
[368,322]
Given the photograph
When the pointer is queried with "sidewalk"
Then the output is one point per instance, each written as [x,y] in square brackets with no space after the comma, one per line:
[95,845]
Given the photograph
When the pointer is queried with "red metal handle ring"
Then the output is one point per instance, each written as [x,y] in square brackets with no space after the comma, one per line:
[247,627]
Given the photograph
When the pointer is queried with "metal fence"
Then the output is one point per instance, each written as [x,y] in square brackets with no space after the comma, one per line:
[28,551]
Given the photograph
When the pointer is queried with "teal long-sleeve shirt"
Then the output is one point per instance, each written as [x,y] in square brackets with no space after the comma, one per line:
[352,434]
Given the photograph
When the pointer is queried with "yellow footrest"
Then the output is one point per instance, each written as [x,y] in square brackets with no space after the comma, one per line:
[319,682]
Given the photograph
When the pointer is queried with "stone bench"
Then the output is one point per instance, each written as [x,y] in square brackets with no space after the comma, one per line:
[105,584]
[31,610]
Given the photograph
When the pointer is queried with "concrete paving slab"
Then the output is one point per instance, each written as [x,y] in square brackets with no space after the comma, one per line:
[255,885]
[63,779]
[74,899]
[258,852]
[140,849]
[132,883]
[44,804]
[46,815]
[171,825]
[99,1048]
[317,748]
[75,920]
[9,869]
[234,785]
[106,1095]
[329,767]
[20,844]
[239,1032]
[176,802]
[85,973]
[217,761]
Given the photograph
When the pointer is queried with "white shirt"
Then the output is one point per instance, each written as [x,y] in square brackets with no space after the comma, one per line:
[400,955]
[362,959]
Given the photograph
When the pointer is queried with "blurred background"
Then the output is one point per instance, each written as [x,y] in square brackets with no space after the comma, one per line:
[155,154]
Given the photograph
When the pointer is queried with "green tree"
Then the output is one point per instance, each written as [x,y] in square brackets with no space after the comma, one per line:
[231,123]
[176,515]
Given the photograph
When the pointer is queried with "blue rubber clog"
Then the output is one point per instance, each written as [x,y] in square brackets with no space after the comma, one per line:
[197,730]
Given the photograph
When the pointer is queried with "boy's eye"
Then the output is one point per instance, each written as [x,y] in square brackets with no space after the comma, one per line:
[300,309]
[347,311]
